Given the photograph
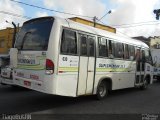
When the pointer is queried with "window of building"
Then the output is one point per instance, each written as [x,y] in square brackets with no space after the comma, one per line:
[2,44]
[69,42]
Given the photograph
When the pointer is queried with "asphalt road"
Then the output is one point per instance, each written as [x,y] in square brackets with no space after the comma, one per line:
[127,101]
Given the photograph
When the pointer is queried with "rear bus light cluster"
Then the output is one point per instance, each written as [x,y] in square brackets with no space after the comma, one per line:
[49,67]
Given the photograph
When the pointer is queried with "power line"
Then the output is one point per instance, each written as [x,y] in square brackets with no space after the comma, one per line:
[52,10]
[116,30]
[137,25]
[123,34]
[131,24]
[26,17]
[117,26]
[15,15]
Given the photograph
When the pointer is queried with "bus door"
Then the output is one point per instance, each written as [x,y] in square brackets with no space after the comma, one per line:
[86,64]
[140,66]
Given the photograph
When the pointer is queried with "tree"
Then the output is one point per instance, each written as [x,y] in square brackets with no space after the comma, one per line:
[157,12]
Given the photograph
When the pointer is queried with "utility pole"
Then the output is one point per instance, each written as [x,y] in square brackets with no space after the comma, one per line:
[157,12]
[94,21]
[14,34]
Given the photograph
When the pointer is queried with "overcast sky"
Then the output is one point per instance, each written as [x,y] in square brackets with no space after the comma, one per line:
[123,12]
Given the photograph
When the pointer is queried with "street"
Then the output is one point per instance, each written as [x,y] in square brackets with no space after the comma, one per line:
[128,101]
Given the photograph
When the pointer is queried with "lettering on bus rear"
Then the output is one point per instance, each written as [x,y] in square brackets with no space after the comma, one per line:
[26,61]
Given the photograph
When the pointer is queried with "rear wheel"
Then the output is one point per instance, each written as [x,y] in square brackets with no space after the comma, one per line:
[102,90]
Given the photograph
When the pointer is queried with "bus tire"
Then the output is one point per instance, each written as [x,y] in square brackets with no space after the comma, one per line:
[102,90]
[145,84]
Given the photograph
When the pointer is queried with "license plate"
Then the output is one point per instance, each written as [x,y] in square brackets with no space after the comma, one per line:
[27,83]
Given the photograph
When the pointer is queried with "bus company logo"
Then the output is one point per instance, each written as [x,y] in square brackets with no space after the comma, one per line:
[26,61]
[111,66]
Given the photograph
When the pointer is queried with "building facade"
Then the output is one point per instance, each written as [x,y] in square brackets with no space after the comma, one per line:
[6,38]
[154,42]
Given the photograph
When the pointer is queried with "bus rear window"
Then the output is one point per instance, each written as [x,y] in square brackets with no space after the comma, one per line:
[34,35]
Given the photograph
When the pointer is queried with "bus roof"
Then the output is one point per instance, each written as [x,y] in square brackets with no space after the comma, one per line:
[85,28]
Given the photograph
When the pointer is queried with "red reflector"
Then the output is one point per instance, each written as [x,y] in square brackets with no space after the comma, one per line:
[60,71]
[27,83]
[49,66]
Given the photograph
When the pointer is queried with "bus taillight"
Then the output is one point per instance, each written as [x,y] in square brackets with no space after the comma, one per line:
[49,67]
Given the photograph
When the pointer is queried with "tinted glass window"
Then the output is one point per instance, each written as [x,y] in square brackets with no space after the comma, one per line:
[126,52]
[131,52]
[103,49]
[83,45]
[34,34]
[118,50]
[91,46]
[111,49]
[69,42]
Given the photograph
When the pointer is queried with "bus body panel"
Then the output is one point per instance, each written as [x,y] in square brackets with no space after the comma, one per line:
[73,75]
[66,85]
[83,73]
[91,73]
[30,71]
[67,76]
[124,72]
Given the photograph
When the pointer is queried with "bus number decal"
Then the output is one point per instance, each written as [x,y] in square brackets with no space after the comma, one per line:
[64,58]
[68,63]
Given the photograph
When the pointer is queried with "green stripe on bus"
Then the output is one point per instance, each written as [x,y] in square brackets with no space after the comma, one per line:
[71,69]
[31,67]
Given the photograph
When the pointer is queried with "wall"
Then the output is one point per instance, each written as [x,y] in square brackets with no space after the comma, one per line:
[6,37]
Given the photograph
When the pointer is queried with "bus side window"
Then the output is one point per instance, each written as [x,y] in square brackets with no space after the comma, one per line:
[103,49]
[131,52]
[91,41]
[83,44]
[110,51]
[118,47]
[126,52]
[69,42]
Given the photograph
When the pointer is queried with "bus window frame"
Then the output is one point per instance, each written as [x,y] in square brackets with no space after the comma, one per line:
[88,42]
[98,56]
[60,41]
